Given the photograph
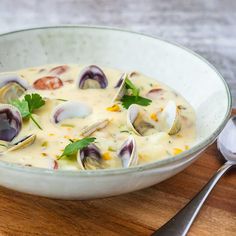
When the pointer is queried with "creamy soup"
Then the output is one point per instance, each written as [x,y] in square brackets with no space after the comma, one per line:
[106,118]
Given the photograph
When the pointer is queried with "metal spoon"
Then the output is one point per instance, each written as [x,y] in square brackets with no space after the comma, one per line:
[180,224]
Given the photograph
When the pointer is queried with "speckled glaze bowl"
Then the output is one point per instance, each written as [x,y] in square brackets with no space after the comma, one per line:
[186,72]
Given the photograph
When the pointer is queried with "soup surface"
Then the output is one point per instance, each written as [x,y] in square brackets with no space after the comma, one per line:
[91,118]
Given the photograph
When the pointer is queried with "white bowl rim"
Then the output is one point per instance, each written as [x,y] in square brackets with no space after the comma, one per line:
[143,167]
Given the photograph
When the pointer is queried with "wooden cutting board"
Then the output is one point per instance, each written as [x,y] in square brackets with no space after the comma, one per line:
[138,213]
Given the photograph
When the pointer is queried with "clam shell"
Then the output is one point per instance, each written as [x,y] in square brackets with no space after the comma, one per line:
[70,109]
[132,114]
[11,87]
[13,78]
[90,157]
[128,153]
[92,77]
[10,92]
[10,122]
[136,122]
[22,142]
[121,88]
[171,116]
[88,130]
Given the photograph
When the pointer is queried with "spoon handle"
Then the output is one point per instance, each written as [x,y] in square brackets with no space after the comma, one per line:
[181,222]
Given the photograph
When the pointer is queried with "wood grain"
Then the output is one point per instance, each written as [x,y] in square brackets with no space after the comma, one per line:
[138,213]
[205,26]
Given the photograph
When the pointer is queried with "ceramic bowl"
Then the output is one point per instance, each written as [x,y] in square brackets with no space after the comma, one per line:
[188,73]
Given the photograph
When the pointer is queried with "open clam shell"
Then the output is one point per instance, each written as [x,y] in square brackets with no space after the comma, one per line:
[70,109]
[121,88]
[171,117]
[10,122]
[11,87]
[136,121]
[128,152]
[90,157]
[21,143]
[88,130]
[92,77]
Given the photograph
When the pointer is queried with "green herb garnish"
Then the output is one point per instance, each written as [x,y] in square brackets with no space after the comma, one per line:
[129,100]
[124,131]
[72,148]
[28,105]
[134,98]
[129,85]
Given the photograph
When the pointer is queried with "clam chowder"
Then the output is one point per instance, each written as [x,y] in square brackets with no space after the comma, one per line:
[76,118]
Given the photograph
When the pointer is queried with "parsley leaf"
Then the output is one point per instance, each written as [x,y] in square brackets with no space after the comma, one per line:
[131,86]
[28,104]
[34,100]
[128,100]
[22,107]
[134,97]
[73,147]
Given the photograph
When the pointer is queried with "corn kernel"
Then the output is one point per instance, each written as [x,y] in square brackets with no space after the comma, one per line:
[114,108]
[186,147]
[177,151]
[153,116]
[179,135]
[106,156]
[143,157]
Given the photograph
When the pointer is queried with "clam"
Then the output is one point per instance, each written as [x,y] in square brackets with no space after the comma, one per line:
[128,152]
[92,77]
[88,130]
[121,88]
[58,70]
[171,118]
[11,87]
[22,142]
[70,109]
[10,122]
[155,93]
[137,122]
[118,84]
[90,157]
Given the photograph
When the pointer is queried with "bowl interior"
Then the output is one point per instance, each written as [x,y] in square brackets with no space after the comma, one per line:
[179,68]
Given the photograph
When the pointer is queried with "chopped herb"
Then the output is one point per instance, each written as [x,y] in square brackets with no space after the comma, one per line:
[181,107]
[124,131]
[67,125]
[73,147]
[131,86]
[60,99]
[128,100]
[3,145]
[44,144]
[168,153]
[28,104]
[134,97]
[111,149]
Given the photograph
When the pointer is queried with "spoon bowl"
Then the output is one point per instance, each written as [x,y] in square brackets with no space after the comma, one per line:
[226,141]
